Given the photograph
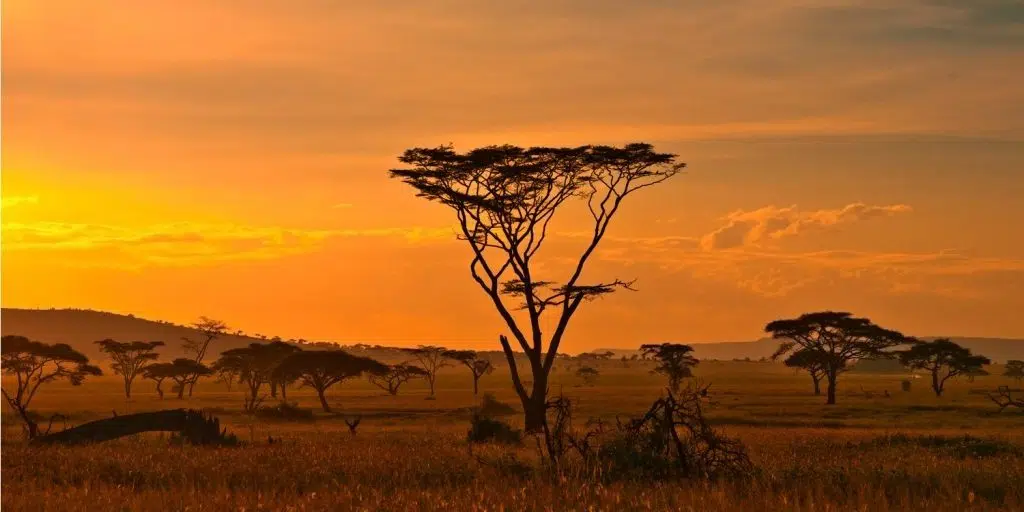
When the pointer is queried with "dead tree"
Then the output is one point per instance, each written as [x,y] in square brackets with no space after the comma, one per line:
[1003,398]
[504,198]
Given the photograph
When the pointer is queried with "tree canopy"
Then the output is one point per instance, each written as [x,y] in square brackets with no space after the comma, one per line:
[836,339]
[477,365]
[254,366]
[35,363]
[675,361]
[129,359]
[1014,369]
[182,371]
[396,375]
[944,360]
[321,369]
[504,198]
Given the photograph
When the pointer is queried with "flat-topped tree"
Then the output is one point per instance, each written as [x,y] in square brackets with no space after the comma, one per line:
[395,376]
[1014,369]
[944,360]
[182,371]
[33,363]
[431,359]
[470,359]
[253,366]
[675,361]
[504,198]
[811,361]
[321,369]
[129,359]
[836,339]
[208,330]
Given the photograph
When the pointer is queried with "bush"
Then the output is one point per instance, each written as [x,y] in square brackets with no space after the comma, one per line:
[285,411]
[484,429]
[490,407]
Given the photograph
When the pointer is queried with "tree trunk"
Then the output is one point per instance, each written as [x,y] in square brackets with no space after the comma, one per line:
[273,389]
[323,400]
[284,391]
[160,390]
[181,391]
[817,385]
[535,408]
[431,381]
[31,426]
[831,400]
[936,385]
[191,386]
[476,381]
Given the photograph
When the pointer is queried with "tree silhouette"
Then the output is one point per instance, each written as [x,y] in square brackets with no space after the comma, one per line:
[835,339]
[321,369]
[1014,369]
[470,359]
[504,198]
[811,361]
[253,366]
[588,374]
[396,375]
[182,371]
[942,358]
[432,359]
[33,364]
[209,330]
[675,361]
[130,359]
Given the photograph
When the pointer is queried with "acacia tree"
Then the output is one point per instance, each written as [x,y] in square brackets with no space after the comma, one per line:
[33,364]
[675,361]
[431,359]
[182,371]
[836,339]
[208,330]
[321,369]
[813,362]
[130,359]
[470,359]
[395,376]
[1014,369]
[944,359]
[504,198]
[253,366]
[589,374]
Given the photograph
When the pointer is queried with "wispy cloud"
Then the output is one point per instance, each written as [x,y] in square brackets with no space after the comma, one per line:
[755,227]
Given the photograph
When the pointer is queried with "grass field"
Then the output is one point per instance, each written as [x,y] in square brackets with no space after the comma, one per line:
[904,452]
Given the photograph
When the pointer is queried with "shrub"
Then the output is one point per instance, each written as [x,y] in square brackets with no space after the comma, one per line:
[491,406]
[285,411]
[485,429]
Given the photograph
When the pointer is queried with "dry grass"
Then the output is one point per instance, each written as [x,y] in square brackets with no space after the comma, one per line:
[410,453]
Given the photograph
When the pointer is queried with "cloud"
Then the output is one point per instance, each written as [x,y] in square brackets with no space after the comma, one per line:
[10,201]
[755,227]
[190,243]
[342,206]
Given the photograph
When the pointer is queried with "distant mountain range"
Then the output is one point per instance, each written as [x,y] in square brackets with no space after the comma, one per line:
[80,328]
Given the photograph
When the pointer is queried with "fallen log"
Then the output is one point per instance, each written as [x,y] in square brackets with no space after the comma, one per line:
[192,425]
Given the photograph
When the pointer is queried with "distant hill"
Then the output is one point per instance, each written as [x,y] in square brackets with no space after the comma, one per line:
[80,328]
[997,349]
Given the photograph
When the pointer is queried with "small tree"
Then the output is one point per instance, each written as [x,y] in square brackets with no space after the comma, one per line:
[470,359]
[182,371]
[33,364]
[944,359]
[811,361]
[504,198]
[321,369]
[130,359]
[835,338]
[1014,369]
[396,375]
[431,359]
[253,366]
[588,374]
[208,330]
[675,361]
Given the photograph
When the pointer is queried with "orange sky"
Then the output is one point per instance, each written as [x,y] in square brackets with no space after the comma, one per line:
[172,159]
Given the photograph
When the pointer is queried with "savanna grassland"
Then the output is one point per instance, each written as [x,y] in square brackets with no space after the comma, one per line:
[907,451]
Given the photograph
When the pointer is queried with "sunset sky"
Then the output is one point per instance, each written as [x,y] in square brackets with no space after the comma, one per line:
[229,159]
